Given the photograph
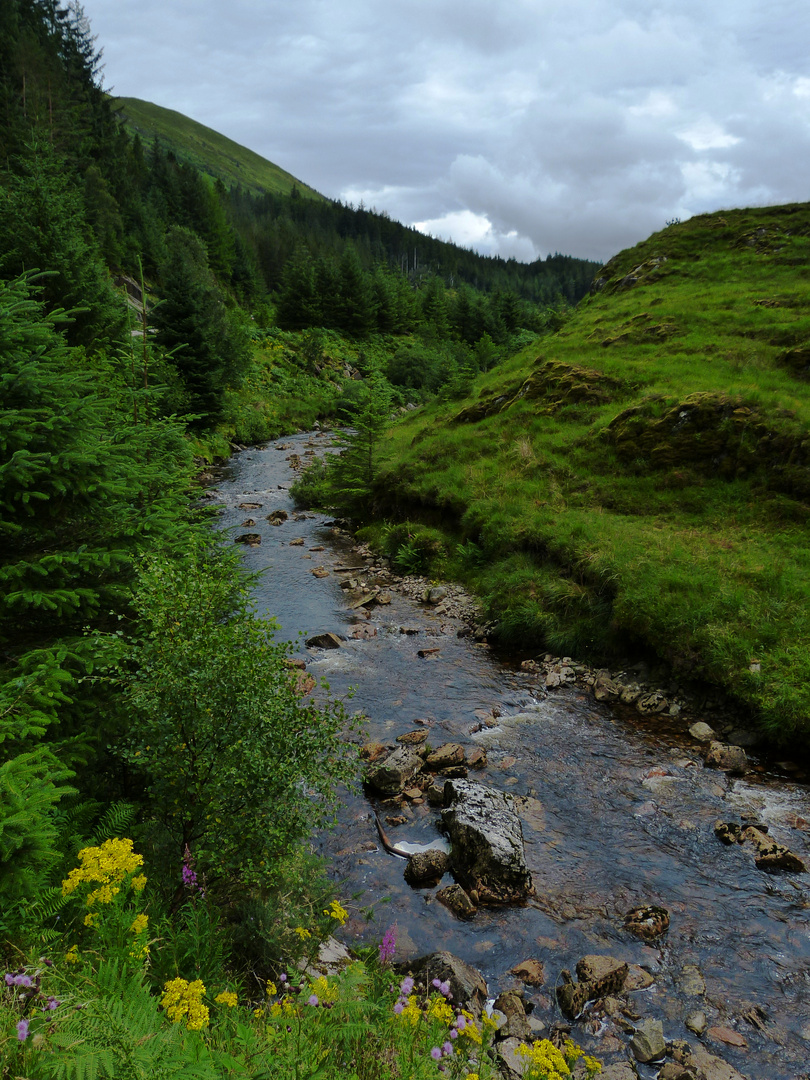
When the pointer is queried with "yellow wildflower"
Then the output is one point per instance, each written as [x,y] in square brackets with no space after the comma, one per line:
[337,911]
[271,988]
[323,990]
[227,997]
[138,883]
[258,1012]
[438,1009]
[106,866]
[72,955]
[91,918]
[544,1060]
[471,1030]
[411,1013]
[139,925]
[183,1000]
[302,932]
[282,1008]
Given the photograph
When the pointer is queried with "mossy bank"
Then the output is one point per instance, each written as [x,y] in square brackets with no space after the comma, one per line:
[641,480]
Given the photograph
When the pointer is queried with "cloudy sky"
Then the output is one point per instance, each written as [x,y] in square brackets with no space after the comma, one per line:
[518,128]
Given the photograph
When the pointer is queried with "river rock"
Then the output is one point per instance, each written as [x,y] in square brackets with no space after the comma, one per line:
[323,641]
[487,842]
[691,981]
[697,1022]
[477,758]
[510,1003]
[702,732]
[648,1044]
[391,776]
[770,855]
[710,1067]
[444,757]
[373,751]
[457,900]
[620,1070]
[530,972]
[435,794]
[277,517]
[251,539]
[727,758]
[436,594]
[599,976]
[672,1070]
[467,984]
[652,703]
[638,978]
[647,923]
[728,831]
[427,867]
[413,738]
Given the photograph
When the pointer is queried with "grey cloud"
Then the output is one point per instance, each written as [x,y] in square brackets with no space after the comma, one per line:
[574,127]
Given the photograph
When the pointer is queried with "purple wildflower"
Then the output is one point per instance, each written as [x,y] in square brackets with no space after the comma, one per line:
[453,1033]
[461,1022]
[282,978]
[22,1030]
[447,1049]
[24,980]
[398,1008]
[312,999]
[388,946]
[444,988]
[407,986]
[9,978]
[51,1004]
[437,983]
[436,1053]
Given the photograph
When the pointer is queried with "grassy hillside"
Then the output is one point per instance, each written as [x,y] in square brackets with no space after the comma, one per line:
[645,480]
[207,150]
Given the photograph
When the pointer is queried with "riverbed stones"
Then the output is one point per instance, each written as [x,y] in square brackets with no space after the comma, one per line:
[458,900]
[530,972]
[770,855]
[648,922]
[251,539]
[413,738]
[373,751]
[648,1043]
[391,775]
[487,842]
[691,981]
[467,984]
[516,1025]
[598,976]
[427,867]
[445,756]
[323,641]
[727,758]
[697,1022]
[477,758]
[702,732]
[709,1067]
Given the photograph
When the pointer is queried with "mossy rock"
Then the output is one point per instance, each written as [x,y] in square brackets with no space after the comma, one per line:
[797,360]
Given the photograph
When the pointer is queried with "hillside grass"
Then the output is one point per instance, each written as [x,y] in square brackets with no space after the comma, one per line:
[645,480]
[208,151]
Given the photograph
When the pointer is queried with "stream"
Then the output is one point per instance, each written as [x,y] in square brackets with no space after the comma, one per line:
[615,816]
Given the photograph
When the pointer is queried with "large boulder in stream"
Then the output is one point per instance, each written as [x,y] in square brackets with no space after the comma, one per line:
[391,775]
[487,854]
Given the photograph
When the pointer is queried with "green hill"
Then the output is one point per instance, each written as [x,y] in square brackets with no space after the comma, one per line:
[207,150]
[644,482]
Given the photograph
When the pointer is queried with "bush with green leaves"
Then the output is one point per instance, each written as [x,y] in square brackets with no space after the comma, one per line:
[236,766]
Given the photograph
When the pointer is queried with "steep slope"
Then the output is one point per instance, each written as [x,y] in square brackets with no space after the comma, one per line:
[645,480]
[207,150]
